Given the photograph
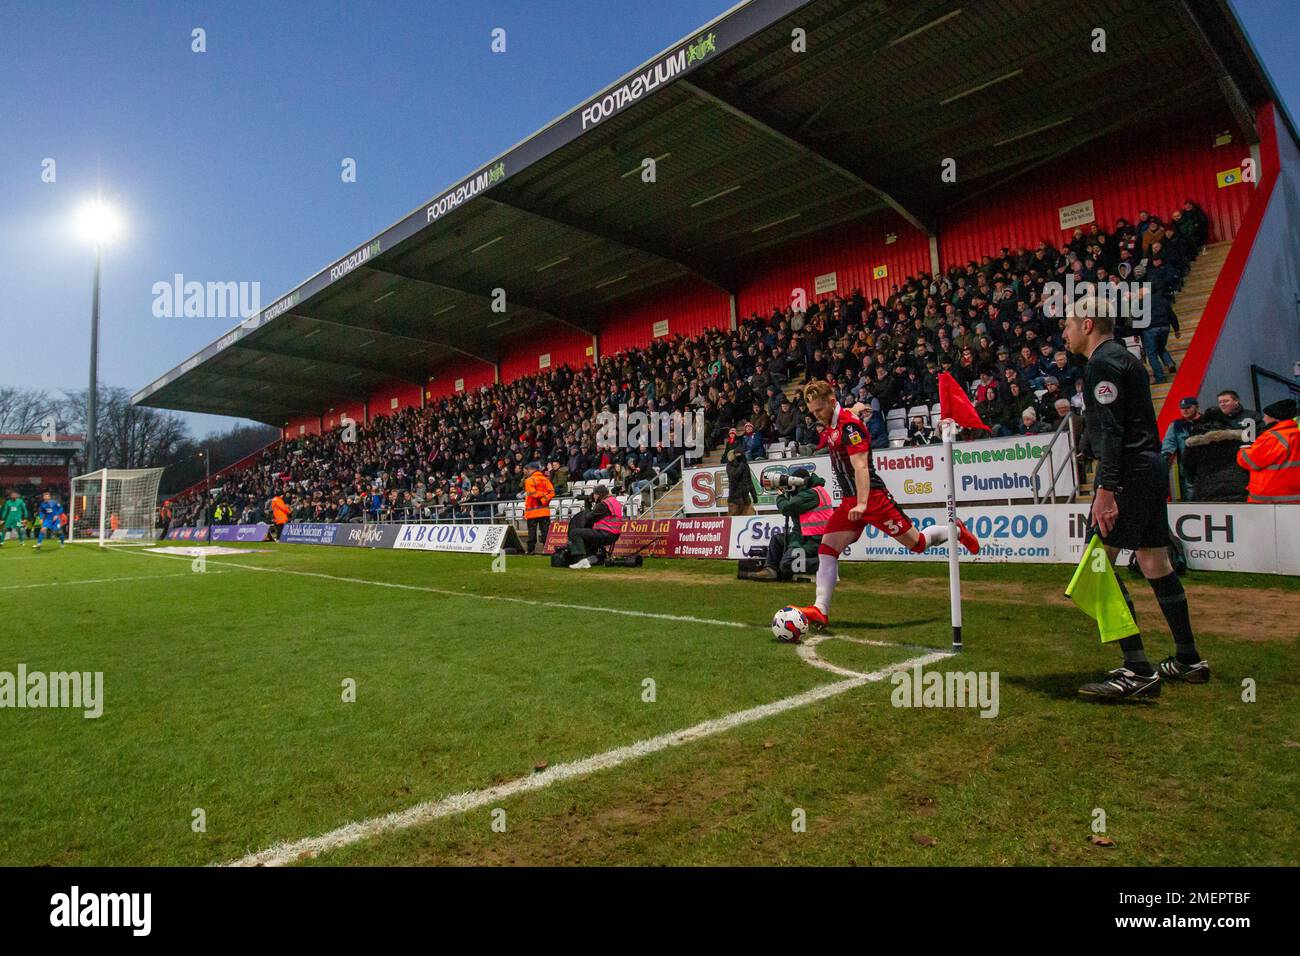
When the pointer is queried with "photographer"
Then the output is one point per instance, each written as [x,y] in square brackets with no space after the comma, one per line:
[807,506]
[598,525]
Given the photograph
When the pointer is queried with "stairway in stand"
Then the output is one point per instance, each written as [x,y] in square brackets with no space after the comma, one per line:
[670,503]
[1189,306]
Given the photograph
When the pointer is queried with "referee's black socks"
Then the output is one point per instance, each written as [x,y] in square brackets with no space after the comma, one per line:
[1173,604]
[1135,655]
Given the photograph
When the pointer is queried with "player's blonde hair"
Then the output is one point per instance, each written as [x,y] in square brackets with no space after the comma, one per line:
[818,389]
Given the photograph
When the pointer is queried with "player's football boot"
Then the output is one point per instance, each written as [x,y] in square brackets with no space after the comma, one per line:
[1171,668]
[815,617]
[968,540]
[1121,683]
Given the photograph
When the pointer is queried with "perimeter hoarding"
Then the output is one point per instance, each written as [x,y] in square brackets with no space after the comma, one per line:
[469,538]
[240,532]
[995,469]
[308,533]
[1215,537]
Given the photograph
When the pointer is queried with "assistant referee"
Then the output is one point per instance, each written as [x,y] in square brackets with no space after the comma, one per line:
[1129,507]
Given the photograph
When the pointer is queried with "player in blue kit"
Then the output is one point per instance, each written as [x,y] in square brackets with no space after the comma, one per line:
[51,513]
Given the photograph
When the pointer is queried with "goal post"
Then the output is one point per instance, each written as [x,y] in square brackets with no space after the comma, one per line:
[114,506]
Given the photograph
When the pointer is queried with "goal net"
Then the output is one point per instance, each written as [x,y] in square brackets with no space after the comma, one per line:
[115,506]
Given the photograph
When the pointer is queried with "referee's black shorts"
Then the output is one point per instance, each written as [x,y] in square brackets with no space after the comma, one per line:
[1142,497]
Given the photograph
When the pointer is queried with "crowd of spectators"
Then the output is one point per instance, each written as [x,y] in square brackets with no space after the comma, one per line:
[986,323]
[1202,446]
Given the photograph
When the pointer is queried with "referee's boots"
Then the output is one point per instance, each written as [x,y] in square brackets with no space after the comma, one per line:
[1121,683]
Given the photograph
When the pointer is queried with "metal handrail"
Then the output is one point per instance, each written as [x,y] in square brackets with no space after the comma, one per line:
[1256,373]
[473,512]
[1048,459]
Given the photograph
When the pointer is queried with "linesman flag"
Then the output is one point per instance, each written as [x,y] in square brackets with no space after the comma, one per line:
[954,404]
[1095,590]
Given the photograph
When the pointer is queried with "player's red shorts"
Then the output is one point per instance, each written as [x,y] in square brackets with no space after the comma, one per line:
[882,512]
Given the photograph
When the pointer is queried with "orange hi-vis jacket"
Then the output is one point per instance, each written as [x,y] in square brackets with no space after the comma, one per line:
[538,492]
[1274,465]
[279,510]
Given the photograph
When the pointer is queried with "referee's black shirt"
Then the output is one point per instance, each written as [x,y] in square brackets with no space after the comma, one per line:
[1119,416]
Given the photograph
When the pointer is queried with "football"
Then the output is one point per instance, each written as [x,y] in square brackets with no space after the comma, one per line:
[789,625]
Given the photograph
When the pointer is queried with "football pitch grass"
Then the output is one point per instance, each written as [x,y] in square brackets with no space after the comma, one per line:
[224,693]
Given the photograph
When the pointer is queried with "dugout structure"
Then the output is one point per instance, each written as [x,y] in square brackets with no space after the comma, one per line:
[115,506]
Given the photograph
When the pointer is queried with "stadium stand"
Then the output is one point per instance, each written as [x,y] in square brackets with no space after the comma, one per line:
[796,191]
[463,458]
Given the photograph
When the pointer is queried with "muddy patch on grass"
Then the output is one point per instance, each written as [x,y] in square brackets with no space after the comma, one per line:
[1251,615]
[1244,613]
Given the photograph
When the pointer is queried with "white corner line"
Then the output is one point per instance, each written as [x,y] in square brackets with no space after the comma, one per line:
[422,813]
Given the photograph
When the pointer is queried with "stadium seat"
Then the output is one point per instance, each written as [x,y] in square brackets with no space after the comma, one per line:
[896,417]
[936,414]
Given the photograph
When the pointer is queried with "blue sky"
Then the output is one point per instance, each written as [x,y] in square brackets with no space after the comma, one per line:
[226,164]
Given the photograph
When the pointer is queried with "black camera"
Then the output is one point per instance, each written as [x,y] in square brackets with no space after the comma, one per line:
[785,482]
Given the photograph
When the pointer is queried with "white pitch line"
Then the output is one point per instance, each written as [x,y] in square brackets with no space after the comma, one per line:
[808,654]
[421,813]
[465,594]
[55,584]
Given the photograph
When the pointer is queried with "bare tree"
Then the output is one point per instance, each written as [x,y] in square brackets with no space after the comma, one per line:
[29,411]
[128,436]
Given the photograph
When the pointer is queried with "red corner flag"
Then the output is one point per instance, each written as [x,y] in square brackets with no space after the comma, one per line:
[954,404]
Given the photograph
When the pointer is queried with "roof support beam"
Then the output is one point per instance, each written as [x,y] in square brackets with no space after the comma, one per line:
[749,117]
[427,342]
[267,414]
[707,272]
[1237,103]
[547,309]
[1150,109]
[299,387]
[405,373]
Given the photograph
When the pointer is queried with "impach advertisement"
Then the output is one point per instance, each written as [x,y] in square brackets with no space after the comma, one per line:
[995,469]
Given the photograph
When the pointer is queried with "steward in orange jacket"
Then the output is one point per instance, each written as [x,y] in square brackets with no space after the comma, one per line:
[1274,459]
[538,492]
[280,514]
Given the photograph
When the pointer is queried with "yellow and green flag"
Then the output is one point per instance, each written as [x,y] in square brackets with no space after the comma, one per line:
[1096,592]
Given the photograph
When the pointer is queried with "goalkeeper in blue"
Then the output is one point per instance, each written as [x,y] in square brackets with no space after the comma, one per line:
[51,520]
[13,515]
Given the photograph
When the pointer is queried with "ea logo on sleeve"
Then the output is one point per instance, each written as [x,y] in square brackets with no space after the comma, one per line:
[1105,393]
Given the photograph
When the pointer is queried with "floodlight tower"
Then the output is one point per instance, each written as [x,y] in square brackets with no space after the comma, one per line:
[99,223]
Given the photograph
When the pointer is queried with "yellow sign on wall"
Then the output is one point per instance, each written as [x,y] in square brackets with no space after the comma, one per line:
[880,272]
[1229,177]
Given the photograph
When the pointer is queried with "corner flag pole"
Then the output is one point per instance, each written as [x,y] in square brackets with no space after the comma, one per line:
[954,570]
